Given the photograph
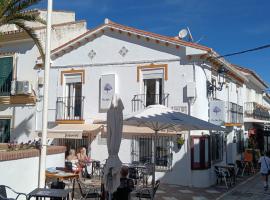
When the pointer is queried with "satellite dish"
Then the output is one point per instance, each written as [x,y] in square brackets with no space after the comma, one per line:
[183,33]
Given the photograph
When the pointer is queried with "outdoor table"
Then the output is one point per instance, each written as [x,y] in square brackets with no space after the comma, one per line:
[49,193]
[62,175]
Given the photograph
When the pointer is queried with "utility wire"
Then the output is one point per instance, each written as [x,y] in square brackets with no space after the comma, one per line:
[245,51]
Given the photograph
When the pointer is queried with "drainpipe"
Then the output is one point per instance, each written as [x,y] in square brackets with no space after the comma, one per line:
[228,99]
[190,101]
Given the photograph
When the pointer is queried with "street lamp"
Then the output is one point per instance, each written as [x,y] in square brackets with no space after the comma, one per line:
[43,151]
[221,80]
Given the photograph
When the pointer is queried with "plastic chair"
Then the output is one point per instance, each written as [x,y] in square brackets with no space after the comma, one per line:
[3,193]
[96,168]
[223,174]
[147,172]
[240,167]
[147,192]
[133,174]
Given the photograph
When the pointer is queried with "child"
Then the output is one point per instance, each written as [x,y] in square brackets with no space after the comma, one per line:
[265,168]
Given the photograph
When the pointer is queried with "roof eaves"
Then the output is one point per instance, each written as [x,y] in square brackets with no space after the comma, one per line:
[228,65]
[253,73]
[160,37]
[132,30]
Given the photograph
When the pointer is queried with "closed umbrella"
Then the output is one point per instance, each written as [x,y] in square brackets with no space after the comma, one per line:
[114,135]
[159,117]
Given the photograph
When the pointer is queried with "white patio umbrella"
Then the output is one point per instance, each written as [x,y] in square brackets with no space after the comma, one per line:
[159,117]
[114,135]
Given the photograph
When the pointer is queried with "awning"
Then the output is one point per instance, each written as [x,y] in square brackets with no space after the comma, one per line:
[73,131]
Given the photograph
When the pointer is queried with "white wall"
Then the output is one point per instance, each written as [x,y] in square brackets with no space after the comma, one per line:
[22,174]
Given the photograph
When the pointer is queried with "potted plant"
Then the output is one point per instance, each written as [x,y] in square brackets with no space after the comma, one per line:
[180,141]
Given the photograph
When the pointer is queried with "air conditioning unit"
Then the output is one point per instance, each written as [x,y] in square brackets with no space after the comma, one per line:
[21,87]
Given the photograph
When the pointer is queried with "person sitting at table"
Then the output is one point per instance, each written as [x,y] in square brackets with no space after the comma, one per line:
[84,161]
[126,186]
[82,157]
[74,161]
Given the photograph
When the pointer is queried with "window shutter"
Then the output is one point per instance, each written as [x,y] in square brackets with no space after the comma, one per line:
[6,68]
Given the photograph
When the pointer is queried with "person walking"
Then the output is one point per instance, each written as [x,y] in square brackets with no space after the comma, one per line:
[264,161]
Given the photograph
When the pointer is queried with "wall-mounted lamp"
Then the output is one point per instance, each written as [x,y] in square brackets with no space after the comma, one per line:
[221,80]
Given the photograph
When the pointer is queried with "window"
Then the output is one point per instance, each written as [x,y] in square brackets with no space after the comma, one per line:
[200,154]
[4,130]
[143,148]
[73,96]
[216,147]
[6,69]
[153,91]
[70,106]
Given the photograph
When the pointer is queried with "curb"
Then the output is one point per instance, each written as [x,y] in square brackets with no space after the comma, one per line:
[237,186]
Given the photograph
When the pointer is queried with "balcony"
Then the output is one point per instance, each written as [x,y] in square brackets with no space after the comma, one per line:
[70,110]
[235,113]
[140,101]
[256,111]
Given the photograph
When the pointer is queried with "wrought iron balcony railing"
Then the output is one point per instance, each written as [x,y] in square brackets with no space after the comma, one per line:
[256,111]
[235,113]
[140,101]
[69,108]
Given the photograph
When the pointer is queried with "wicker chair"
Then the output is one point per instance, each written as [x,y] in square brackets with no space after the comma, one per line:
[3,193]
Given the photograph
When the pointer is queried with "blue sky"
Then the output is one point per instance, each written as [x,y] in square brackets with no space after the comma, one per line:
[225,25]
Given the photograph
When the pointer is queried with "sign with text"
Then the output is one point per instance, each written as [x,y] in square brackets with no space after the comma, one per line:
[217,112]
[107,90]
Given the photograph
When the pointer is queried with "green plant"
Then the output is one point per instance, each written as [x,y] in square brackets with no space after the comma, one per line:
[180,141]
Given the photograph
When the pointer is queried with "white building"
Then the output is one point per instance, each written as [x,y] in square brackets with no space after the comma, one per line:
[144,68]
[256,109]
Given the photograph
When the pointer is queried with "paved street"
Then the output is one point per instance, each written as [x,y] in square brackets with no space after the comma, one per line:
[247,188]
[252,188]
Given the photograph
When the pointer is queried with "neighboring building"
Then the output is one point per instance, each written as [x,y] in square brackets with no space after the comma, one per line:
[256,110]
[19,82]
[89,66]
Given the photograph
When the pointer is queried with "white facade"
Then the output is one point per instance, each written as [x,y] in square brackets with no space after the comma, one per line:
[151,57]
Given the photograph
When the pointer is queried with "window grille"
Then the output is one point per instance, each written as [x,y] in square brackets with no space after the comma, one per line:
[142,149]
